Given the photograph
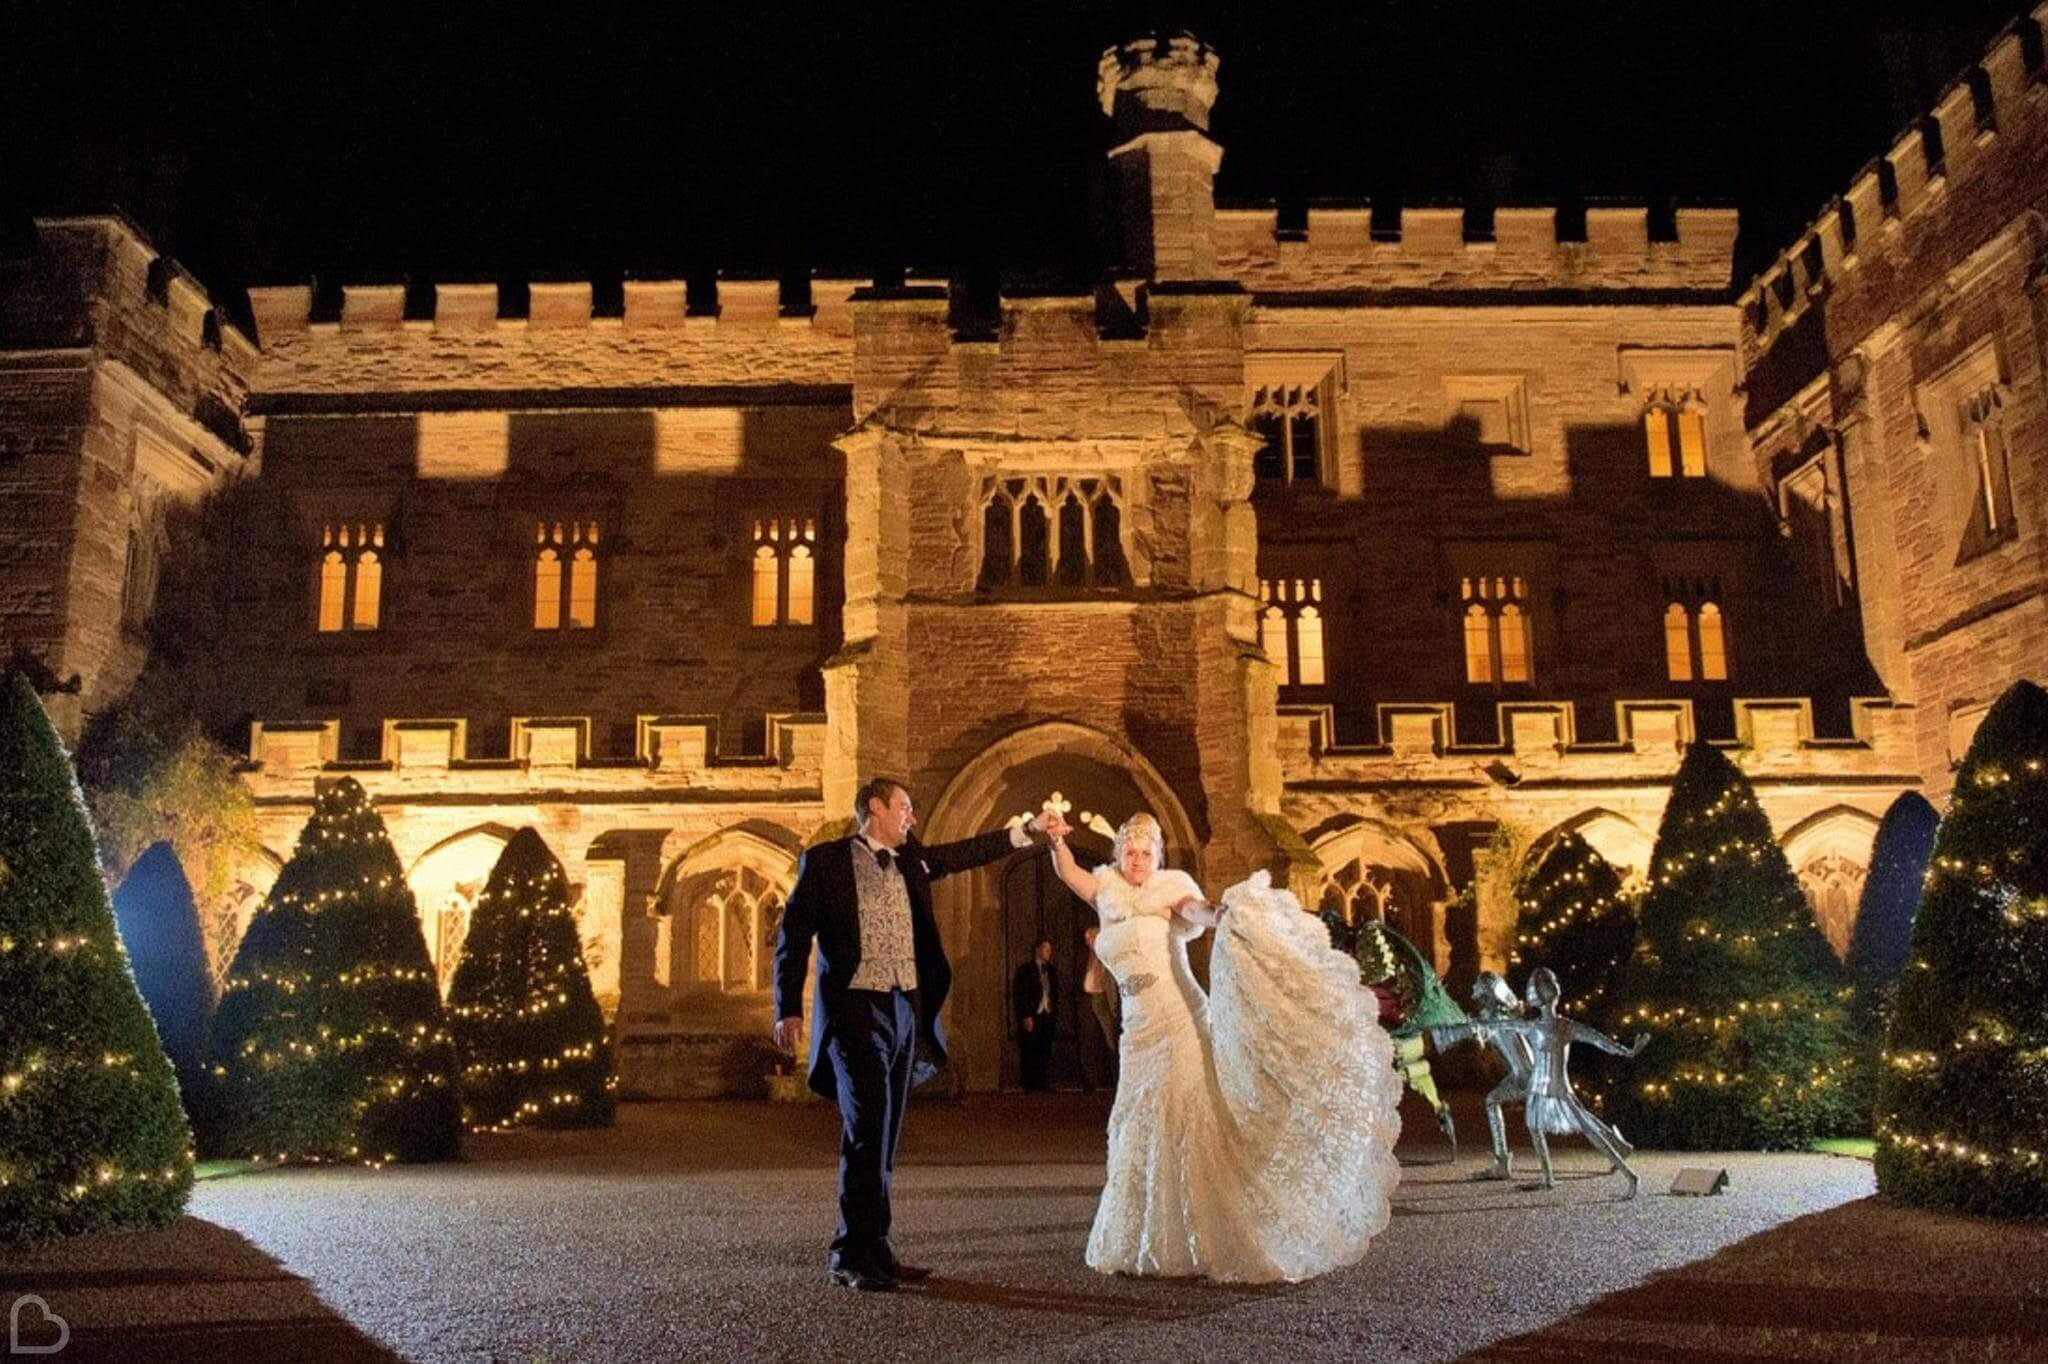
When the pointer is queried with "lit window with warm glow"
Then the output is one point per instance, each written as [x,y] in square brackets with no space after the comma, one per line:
[351,577]
[1713,644]
[1291,630]
[1514,644]
[1308,635]
[333,587]
[1695,631]
[1494,621]
[803,569]
[369,588]
[583,590]
[784,569]
[1675,434]
[565,575]
[1678,643]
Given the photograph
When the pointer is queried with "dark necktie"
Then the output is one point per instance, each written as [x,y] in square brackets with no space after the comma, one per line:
[884,858]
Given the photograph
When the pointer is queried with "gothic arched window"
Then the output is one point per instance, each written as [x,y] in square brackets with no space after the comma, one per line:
[351,577]
[565,552]
[1052,531]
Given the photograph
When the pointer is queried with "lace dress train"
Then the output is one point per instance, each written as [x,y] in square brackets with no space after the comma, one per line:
[1253,1130]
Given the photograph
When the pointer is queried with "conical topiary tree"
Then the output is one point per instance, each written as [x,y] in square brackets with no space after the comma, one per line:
[330,1042]
[91,1134]
[1742,997]
[1962,1104]
[528,1031]
[1884,930]
[1576,921]
[159,927]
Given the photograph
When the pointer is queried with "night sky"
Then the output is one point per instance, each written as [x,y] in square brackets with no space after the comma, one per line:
[269,142]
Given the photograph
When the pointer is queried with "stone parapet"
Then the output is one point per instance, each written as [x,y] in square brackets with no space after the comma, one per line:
[551,336]
[674,755]
[1418,745]
[1979,155]
[1446,250]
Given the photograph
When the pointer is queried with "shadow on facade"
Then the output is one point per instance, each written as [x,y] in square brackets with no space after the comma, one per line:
[1603,549]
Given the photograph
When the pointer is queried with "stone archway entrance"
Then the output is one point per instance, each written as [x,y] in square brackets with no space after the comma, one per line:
[991,919]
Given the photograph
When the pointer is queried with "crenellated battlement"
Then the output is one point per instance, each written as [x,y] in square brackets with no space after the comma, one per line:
[1539,743]
[128,275]
[1043,363]
[552,336]
[97,284]
[1968,134]
[541,305]
[1347,248]
[672,754]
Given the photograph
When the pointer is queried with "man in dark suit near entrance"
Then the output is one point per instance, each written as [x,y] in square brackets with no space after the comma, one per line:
[882,976]
[1035,993]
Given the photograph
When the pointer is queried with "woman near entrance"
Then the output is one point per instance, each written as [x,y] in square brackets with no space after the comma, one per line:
[1253,1131]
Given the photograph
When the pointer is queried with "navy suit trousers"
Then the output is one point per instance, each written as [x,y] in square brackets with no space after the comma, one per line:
[872,1041]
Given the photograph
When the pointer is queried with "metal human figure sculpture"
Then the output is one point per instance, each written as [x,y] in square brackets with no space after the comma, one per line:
[1551,1108]
[1494,1003]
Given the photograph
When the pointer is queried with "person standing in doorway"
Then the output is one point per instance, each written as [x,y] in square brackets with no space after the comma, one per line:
[1037,993]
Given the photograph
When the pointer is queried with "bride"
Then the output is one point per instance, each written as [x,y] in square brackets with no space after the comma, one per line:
[1253,1131]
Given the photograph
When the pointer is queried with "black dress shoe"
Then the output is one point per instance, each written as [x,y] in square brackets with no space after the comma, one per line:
[865,1280]
[900,1272]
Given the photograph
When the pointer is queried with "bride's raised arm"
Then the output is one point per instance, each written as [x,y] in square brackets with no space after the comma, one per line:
[1078,880]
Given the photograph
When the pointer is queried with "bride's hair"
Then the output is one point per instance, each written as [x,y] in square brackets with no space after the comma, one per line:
[1140,828]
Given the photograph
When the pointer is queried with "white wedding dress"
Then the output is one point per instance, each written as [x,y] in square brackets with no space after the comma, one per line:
[1252,1138]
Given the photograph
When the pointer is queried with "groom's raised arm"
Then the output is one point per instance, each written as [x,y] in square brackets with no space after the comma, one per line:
[793,939]
[943,859]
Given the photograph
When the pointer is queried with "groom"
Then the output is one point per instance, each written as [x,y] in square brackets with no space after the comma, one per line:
[882,977]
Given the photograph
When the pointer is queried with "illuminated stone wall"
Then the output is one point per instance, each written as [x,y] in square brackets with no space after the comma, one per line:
[1479,394]
[121,389]
[1910,316]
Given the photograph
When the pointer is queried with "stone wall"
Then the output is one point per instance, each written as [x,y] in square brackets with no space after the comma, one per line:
[675,492]
[644,841]
[121,388]
[1916,293]
[1436,250]
[1409,504]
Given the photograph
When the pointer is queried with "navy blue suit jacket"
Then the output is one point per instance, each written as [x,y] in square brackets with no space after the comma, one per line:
[824,908]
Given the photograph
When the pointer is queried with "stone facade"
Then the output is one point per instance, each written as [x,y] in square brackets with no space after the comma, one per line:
[1910,320]
[1344,551]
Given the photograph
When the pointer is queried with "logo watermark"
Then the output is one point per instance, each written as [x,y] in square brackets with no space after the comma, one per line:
[19,1323]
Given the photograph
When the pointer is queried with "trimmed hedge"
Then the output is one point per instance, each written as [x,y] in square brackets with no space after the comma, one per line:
[330,1042]
[1962,1102]
[1743,999]
[92,1136]
[528,1031]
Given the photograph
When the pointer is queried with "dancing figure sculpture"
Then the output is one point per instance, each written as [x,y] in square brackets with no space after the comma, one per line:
[1494,1002]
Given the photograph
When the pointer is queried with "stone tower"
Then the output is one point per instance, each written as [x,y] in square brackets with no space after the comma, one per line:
[1051,556]
[1157,92]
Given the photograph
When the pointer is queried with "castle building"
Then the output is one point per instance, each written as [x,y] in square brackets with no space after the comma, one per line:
[1377,554]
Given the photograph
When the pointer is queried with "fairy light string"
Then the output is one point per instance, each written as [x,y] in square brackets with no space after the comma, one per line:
[331,1044]
[527,1026]
[1745,1004]
[1962,1100]
[92,1134]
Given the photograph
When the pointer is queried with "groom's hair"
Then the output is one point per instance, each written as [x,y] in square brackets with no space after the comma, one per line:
[874,788]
